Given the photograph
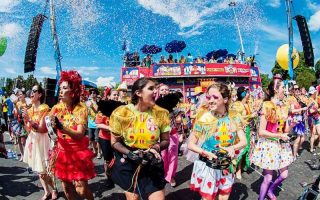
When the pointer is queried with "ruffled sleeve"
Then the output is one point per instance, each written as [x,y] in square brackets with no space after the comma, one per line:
[44,108]
[120,120]
[205,124]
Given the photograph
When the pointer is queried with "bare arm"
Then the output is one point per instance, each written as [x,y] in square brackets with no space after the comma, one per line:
[102,126]
[117,145]
[192,145]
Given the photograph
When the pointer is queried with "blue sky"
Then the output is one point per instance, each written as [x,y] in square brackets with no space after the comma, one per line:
[91,32]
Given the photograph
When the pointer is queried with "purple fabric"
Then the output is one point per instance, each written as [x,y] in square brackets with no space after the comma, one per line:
[300,128]
[265,184]
[283,175]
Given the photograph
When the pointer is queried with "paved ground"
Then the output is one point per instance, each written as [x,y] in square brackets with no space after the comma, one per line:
[16,183]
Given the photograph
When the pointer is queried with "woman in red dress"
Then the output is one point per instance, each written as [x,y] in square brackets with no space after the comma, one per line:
[72,159]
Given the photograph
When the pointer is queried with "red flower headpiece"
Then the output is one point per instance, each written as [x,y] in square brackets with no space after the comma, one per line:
[74,80]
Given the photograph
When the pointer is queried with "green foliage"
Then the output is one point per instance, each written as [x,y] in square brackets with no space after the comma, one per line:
[19,82]
[101,90]
[317,69]
[303,75]
[265,80]
[306,78]
[30,82]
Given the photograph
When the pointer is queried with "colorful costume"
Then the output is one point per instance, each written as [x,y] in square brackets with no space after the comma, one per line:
[36,152]
[269,153]
[170,155]
[72,158]
[104,137]
[93,132]
[215,133]
[139,130]
[299,128]
[243,111]
[17,122]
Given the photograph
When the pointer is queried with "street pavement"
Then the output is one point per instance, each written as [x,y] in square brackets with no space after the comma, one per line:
[17,183]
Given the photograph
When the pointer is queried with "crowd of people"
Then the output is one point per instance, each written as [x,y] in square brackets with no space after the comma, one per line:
[140,136]
[147,61]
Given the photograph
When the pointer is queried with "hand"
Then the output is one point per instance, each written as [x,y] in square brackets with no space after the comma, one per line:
[135,156]
[155,153]
[230,151]
[305,108]
[24,112]
[210,155]
[284,136]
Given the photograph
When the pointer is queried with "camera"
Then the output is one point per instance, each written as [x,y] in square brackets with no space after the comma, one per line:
[291,137]
[222,162]
[149,158]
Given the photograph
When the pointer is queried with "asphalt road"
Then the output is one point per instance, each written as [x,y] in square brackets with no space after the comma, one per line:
[17,183]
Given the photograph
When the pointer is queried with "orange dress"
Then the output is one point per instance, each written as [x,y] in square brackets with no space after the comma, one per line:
[73,159]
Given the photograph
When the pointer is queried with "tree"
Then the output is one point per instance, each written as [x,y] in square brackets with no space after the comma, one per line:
[306,78]
[317,69]
[265,80]
[30,82]
[303,74]
[278,70]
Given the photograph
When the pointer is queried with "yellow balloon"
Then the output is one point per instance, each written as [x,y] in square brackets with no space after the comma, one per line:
[282,57]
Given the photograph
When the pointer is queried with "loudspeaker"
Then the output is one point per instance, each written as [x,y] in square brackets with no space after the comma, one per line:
[33,40]
[49,88]
[305,39]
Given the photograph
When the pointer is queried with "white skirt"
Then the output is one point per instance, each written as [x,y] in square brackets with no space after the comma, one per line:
[272,155]
[36,152]
[210,182]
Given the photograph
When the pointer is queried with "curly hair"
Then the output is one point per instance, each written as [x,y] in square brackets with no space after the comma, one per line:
[74,80]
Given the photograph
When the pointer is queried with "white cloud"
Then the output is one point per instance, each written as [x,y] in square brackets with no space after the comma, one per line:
[6,6]
[312,5]
[10,70]
[274,3]
[314,22]
[105,81]
[48,70]
[189,18]
[11,30]
[86,70]
[273,32]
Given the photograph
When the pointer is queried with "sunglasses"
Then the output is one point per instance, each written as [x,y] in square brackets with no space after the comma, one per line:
[34,91]
[208,97]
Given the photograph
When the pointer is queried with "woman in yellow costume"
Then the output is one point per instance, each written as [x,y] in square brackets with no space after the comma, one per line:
[217,130]
[36,152]
[273,152]
[244,111]
[139,131]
